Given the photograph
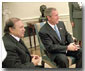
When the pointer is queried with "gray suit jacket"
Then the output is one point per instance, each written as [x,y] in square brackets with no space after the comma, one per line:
[51,41]
[76,17]
[17,55]
[75,10]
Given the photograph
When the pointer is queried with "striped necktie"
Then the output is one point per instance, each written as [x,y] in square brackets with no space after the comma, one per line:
[57,31]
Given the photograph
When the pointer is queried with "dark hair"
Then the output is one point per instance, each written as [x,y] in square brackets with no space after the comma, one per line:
[10,23]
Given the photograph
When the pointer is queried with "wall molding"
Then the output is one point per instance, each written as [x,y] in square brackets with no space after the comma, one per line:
[37,17]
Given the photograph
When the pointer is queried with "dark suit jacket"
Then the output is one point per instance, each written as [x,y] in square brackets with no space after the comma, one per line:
[17,54]
[51,41]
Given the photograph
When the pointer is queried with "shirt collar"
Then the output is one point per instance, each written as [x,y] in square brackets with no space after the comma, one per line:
[17,38]
[51,24]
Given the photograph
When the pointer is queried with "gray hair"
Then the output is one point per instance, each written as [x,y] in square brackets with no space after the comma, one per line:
[48,11]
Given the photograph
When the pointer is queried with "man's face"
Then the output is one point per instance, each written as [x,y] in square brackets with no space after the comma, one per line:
[53,19]
[18,29]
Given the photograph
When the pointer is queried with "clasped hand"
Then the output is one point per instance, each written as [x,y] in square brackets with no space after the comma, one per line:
[73,47]
[35,59]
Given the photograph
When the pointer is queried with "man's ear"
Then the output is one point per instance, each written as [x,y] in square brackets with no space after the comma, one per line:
[48,17]
[10,29]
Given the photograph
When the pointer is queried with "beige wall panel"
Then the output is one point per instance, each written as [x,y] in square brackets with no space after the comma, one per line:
[31,9]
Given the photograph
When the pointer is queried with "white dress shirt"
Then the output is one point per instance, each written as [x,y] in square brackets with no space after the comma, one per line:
[51,25]
[17,38]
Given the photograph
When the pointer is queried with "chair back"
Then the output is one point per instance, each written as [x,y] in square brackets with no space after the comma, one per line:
[37,28]
[43,51]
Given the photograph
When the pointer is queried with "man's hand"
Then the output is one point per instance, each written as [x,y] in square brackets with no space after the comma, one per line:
[35,59]
[72,24]
[72,47]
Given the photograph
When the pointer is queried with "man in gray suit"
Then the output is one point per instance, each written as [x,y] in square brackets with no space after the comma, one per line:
[58,42]
[18,55]
[75,10]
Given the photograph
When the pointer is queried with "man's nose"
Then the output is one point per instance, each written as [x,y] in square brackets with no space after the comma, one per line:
[23,29]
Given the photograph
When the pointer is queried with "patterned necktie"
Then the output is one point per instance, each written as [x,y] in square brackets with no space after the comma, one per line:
[57,31]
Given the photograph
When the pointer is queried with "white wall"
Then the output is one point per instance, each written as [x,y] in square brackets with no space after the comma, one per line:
[31,9]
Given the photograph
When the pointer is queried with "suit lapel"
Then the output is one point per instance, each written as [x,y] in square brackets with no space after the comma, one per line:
[21,46]
[17,43]
[52,32]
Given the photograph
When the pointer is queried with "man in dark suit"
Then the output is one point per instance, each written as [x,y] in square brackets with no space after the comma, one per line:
[18,55]
[59,45]
[75,11]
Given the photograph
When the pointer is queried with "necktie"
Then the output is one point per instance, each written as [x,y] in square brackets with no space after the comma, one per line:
[57,31]
[20,41]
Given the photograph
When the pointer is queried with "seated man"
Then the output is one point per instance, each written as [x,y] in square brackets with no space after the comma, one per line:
[18,55]
[58,42]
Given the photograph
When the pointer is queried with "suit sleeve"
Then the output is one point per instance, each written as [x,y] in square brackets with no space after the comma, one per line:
[50,46]
[13,60]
